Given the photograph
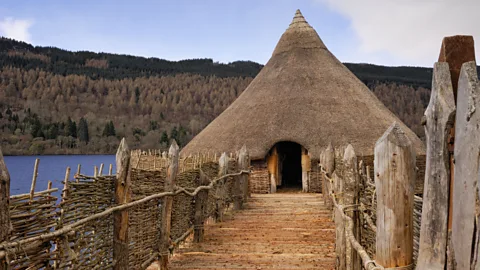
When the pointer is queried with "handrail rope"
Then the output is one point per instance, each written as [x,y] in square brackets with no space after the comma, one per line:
[369,264]
[71,227]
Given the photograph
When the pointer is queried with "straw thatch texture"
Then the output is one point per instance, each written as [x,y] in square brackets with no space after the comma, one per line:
[304,95]
[31,218]
[144,220]
[91,245]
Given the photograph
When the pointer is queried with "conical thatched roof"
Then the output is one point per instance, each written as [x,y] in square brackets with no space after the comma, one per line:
[305,95]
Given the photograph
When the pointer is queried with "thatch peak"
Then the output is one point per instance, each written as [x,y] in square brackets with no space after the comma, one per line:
[299,21]
[299,35]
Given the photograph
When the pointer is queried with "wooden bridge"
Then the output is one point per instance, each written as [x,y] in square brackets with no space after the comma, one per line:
[274,231]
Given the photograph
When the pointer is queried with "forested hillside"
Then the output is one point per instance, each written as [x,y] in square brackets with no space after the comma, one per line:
[56,101]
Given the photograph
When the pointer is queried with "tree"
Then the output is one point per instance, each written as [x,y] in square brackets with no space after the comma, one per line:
[164,138]
[71,128]
[83,131]
[137,95]
[109,129]
[174,134]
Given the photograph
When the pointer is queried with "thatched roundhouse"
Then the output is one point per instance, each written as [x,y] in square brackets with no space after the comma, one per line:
[303,99]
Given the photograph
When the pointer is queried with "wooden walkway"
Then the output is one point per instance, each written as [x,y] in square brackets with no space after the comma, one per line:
[274,231]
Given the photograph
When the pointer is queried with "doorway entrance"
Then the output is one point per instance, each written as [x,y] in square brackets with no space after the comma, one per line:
[285,166]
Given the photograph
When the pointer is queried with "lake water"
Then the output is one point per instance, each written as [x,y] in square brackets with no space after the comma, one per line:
[51,168]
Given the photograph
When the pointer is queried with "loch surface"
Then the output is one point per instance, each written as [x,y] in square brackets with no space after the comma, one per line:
[51,168]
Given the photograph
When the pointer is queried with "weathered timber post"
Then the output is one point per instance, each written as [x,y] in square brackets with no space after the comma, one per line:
[351,198]
[5,225]
[394,180]
[200,205]
[120,218]
[439,119]
[329,168]
[220,190]
[306,168]
[167,205]
[340,237]
[455,51]
[467,150]
[240,188]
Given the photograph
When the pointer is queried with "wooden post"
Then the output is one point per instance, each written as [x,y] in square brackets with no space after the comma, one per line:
[394,180]
[329,158]
[100,171]
[200,205]
[110,169]
[351,198]
[34,178]
[222,170]
[306,168]
[241,192]
[340,237]
[5,225]
[439,118]
[167,205]
[465,228]
[120,218]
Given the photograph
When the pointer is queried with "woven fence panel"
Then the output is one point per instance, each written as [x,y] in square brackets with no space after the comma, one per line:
[417,221]
[90,246]
[315,184]
[144,221]
[31,218]
[183,210]
[259,179]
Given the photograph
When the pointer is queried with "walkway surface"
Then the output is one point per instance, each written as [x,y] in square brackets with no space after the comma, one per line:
[274,231]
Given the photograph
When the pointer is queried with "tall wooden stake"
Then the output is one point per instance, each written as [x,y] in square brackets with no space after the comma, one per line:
[351,197]
[329,160]
[167,205]
[34,178]
[5,225]
[466,198]
[200,205]
[439,117]
[395,180]
[222,170]
[122,196]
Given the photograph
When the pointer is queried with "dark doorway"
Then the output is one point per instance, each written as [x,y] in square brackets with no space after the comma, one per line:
[290,159]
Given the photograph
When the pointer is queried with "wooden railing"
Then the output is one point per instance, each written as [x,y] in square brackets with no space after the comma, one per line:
[95,226]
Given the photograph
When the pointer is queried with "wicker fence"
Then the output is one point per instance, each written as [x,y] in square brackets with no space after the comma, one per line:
[91,228]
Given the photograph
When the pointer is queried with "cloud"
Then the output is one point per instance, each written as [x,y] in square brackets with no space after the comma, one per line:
[409,30]
[16,28]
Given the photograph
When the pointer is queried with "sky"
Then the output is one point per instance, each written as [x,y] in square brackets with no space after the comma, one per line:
[383,32]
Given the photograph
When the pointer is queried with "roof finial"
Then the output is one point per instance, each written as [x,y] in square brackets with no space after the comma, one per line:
[298,19]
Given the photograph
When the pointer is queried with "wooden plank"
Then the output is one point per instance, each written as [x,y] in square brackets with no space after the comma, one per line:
[166,223]
[465,196]
[34,178]
[351,197]
[244,164]
[5,225]
[222,170]
[120,218]
[394,179]
[340,237]
[329,158]
[200,206]
[439,116]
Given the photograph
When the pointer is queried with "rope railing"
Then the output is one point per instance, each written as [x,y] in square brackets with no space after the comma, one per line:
[368,263]
[71,227]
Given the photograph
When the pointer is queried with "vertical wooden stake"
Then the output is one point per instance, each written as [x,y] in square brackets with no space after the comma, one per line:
[329,168]
[122,196]
[100,171]
[5,225]
[439,118]
[340,237]
[395,180]
[351,197]
[34,178]
[200,205]
[95,171]
[222,170]
[167,205]
[466,198]
[110,169]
